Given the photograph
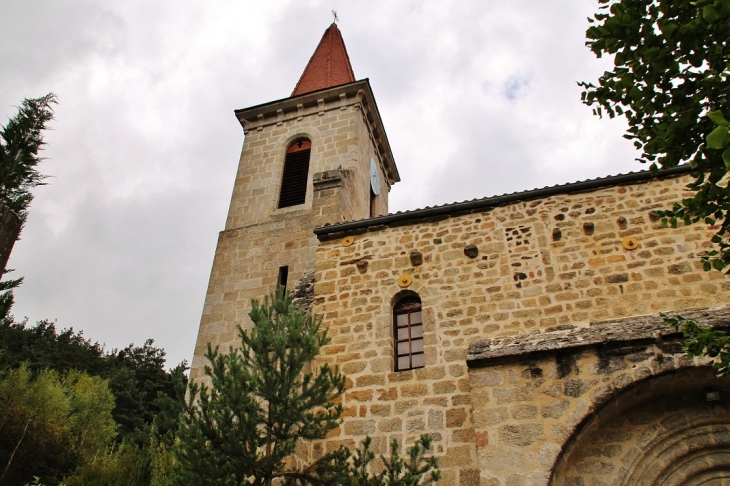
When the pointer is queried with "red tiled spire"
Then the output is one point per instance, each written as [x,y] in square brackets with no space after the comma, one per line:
[329,65]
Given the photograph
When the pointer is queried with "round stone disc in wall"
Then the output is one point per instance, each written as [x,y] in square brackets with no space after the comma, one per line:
[348,240]
[630,243]
[405,280]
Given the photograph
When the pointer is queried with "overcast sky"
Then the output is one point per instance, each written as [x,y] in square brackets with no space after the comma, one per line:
[478,98]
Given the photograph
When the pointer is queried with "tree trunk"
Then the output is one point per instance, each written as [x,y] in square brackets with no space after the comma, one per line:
[10,226]
[10,461]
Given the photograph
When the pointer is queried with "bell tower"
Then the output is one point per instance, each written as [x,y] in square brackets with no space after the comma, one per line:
[320,156]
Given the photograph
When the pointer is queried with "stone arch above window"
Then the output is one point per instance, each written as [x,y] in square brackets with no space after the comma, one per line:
[408,333]
[296,173]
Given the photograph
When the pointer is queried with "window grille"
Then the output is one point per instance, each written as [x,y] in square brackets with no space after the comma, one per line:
[408,330]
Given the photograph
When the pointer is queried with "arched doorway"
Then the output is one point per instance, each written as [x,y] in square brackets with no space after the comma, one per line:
[669,430]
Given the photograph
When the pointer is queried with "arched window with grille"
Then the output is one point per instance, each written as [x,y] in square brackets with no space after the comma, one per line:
[296,172]
[408,332]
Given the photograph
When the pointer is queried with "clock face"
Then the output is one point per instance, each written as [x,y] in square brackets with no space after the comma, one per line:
[374,178]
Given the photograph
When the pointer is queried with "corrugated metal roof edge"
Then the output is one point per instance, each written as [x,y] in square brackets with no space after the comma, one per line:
[474,205]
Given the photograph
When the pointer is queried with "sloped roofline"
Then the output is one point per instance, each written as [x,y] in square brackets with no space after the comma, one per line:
[477,205]
[328,63]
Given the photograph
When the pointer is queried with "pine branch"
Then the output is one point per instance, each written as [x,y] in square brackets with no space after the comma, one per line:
[20,142]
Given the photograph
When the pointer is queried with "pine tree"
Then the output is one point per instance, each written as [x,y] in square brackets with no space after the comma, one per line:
[21,139]
[262,400]
[20,142]
[397,471]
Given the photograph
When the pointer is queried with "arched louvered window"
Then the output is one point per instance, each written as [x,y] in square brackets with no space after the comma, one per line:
[296,170]
[408,330]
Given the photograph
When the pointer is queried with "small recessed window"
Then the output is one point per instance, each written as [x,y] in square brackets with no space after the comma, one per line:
[408,330]
[296,172]
[283,277]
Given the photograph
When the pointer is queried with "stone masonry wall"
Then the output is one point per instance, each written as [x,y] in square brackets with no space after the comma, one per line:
[340,139]
[259,237]
[600,415]
[662,432]
[507,270]
[246,266]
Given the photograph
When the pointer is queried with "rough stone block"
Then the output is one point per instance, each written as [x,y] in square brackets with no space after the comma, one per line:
[489,417]
[359,427]
[414,390]
[514,394]
[455,417]
[394,424]
[521,435]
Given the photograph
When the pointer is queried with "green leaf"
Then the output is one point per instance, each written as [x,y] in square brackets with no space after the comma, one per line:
[718,118]
[669,30]
[718,138]
[670,68]
[710,14]
[718,264]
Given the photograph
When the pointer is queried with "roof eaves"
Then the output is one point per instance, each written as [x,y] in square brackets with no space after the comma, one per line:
[246,115]
[310,94]
[474,205]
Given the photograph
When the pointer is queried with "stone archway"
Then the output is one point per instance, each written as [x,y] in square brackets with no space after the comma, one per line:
[659,431]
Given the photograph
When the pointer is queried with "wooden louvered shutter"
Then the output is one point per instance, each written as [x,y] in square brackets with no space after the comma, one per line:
[296,171]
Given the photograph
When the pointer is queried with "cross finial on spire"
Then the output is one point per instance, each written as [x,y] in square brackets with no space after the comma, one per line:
[334,14]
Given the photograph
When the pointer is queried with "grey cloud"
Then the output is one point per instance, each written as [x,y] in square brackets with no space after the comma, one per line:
[145,146]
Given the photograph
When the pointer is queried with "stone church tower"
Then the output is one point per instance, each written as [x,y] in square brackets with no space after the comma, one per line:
[318,157]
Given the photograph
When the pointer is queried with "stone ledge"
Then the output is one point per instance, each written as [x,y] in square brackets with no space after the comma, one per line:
[484,352]
[328,179]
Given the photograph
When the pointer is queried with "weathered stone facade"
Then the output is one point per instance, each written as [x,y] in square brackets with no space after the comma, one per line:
[523,280]
[615,402]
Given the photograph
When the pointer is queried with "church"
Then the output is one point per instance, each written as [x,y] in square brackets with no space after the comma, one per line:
[522,331]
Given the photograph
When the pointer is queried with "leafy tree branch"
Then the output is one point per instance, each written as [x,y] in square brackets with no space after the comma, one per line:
[671,82]
[703,341]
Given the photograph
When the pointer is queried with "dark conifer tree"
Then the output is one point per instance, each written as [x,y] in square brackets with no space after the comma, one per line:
[262,399]
[244,421]
[21,139]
